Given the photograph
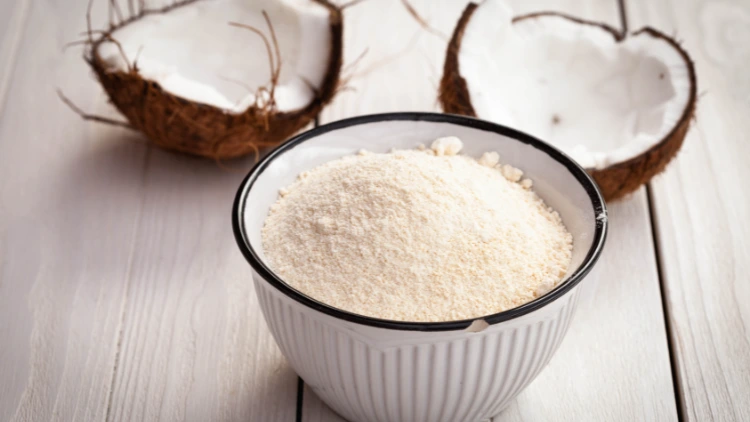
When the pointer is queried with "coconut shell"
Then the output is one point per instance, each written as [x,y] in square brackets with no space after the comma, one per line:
[616,180]
[177,124]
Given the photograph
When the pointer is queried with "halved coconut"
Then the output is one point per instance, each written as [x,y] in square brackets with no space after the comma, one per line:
[619,106]
[193,82]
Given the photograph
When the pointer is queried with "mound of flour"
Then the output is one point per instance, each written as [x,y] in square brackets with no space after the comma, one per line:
[417,235]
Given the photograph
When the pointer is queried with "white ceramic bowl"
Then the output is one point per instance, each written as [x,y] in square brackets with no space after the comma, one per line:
[368,369]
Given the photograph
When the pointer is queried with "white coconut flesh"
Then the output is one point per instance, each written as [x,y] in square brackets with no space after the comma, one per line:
[192,51]
[571,84]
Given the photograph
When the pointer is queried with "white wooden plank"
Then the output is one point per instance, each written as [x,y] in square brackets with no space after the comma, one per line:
[122,294]
[614,363]
[701,209]
[69,204]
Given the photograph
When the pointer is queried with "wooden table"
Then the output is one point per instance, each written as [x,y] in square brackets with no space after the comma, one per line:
[123,296]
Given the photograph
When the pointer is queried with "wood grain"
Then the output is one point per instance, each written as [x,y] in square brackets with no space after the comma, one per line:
[614,363]
[122,294]
[70,204]
[701,211]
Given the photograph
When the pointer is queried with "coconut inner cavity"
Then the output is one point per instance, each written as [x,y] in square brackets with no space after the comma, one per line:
[194,53]
[573,84]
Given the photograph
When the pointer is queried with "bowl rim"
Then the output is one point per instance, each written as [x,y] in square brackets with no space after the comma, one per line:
[592,190]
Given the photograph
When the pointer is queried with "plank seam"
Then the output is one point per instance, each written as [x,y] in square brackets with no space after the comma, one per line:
[671,335]
[300,394]
[673,366]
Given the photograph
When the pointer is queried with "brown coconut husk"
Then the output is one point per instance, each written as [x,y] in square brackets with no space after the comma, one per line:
[615,181]
[177,124]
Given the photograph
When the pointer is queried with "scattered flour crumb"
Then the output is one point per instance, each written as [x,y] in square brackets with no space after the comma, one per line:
[511,173]
[417,235]
[450,145]
[489,159]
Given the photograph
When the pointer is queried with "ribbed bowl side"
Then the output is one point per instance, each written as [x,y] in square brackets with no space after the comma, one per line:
[453,377]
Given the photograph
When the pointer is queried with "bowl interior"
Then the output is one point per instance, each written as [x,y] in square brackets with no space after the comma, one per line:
[556,179]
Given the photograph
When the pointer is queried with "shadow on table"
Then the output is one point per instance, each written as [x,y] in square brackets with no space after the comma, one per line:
[125,156]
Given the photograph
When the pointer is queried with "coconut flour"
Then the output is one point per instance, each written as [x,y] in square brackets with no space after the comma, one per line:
[417,235]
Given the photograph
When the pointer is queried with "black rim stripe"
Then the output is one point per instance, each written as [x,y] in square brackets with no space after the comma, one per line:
[579,173]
